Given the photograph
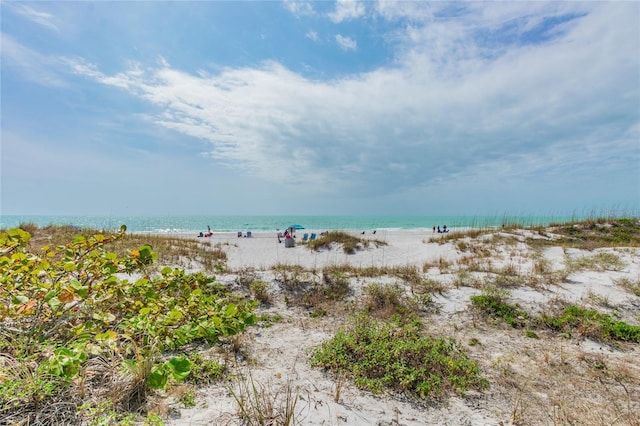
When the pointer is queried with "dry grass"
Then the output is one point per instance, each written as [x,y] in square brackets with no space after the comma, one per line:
[171,250]
[265,404]
[349,243]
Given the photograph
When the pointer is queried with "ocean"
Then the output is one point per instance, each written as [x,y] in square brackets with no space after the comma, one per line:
[183,224]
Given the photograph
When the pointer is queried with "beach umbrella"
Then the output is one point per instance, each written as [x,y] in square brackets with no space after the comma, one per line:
[296,226]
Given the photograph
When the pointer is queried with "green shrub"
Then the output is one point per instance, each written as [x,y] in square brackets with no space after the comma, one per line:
[591,323]
[205,371]
[379,355]
[492,302]
[66,307]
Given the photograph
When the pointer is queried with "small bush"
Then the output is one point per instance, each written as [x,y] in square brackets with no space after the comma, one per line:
[384,300]
[380,356]
[259,291]
[492,302]
[591,323]
[205,371]
[334,287]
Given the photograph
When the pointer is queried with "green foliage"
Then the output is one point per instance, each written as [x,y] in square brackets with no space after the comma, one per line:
[205,371]
[379,355]
[177,368]
[62,306]
[259,291]
[599,232]
[492,302]
[188,399]
[591,323]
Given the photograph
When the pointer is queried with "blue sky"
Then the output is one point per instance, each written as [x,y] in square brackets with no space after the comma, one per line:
[266,107]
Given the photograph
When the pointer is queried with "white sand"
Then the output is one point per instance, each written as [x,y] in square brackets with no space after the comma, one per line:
[262,250]
[528,383]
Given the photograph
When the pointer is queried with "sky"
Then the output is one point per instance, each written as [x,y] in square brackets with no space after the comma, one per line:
[319,108]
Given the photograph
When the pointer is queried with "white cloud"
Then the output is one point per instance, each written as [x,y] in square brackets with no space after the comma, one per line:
[346,10]
[312,35]
[45,19]
[446,112]
[299,8]
[346,43]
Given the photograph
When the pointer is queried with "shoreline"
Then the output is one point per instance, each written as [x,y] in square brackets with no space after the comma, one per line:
[194,224]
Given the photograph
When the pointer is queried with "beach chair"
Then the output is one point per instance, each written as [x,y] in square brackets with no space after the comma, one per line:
[312,237]
[305,237]
[249,234]
[239,234]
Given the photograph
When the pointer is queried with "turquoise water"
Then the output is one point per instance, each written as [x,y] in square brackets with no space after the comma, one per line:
[171,224]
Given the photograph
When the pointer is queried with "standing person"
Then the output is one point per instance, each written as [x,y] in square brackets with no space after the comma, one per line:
[434,229]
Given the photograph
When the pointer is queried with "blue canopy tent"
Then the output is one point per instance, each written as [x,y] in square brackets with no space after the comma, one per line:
[292,228]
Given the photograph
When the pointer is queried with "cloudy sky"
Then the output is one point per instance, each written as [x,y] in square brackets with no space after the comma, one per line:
[283,107]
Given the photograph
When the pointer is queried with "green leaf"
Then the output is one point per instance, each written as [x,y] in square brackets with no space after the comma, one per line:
[181,367]
[158,378]
[231,310]
[19,299]
[175,315]
[54,302]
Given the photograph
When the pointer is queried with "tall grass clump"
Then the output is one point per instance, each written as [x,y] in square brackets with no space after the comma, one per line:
[394,356]
[265,405]
[350,244]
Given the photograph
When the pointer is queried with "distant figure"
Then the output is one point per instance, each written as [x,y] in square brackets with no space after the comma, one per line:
[200,236]
[362,233]
[434,229]
[439,231]
[444,228]
[374,232]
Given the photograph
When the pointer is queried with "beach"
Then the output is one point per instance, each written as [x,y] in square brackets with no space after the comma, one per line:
[536,376]
[262,250]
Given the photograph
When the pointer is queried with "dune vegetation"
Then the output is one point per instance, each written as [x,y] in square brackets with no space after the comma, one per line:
[110,328]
